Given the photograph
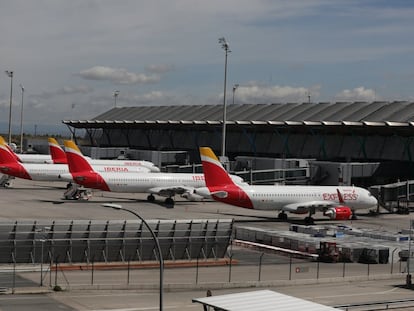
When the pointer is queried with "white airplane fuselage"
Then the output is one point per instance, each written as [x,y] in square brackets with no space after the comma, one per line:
[34,158]
[145,181]
[278,197]
[52,172]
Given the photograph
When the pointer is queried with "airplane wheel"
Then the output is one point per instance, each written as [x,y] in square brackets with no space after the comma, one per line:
[169,202]
[150,198]
[282,216]
[309,220]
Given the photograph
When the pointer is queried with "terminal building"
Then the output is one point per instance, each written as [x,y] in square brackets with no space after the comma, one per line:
[341,143]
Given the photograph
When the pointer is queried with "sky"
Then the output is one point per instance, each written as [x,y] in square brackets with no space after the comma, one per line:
[71,56]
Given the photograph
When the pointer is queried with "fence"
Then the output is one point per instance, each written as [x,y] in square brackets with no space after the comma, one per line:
[242,267]
[110,241]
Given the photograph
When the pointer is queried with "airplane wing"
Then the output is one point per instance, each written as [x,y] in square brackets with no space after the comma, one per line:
[304,207]
[170,191]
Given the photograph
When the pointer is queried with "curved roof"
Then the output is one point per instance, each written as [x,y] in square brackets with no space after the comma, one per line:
[340,113]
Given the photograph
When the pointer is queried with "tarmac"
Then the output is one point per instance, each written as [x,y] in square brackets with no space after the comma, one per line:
[135,286]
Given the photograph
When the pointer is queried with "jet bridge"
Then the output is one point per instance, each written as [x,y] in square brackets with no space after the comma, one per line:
[80,241]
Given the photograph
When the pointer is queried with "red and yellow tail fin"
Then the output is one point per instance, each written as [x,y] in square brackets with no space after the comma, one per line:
[6,146]
[214,172]
[76,161]
[56,152]
[6,154]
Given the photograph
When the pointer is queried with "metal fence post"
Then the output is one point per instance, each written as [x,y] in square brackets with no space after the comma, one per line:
[231,258]
[260,266]
[93,267]
[129,269]
[290,267]
[14,272]
[197,271]
[343,269]
[317,270]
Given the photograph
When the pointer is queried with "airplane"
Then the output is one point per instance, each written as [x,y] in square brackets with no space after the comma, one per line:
[59,156]
[336,202]
[9,165]
[163,184]
[29,158]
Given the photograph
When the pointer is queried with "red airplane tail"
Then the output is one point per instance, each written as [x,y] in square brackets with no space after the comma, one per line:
[9,164]
[82,172]
[56,152]
[76,161]
[7,147]
[6,154]
[214,173]
[219,183]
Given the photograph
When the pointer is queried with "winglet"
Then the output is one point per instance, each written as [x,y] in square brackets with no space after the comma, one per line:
[56,152]
[214,172]
[76,161]
[340,197]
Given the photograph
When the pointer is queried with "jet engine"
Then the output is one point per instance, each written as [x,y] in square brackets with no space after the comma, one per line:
[339,213]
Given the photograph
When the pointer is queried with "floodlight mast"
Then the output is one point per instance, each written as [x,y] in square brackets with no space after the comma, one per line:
[116,93]
[9,73]
[235,87]
[157,246]
[225,46]
[21,120]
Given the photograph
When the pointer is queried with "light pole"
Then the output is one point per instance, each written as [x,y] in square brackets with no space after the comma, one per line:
[116,93]
[10,75]
[157,245]
[234,90]
[21,121]
[225,46]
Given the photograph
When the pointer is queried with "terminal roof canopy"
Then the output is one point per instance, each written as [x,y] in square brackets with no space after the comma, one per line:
[339,113]
[263,300]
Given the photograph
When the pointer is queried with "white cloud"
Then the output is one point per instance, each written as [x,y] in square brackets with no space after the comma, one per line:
[117,75]
[357,94]
[167,53]
[254,93]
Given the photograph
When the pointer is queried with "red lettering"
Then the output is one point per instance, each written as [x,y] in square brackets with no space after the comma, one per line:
[334,196]
[132,163]
[116,169]
[198,178]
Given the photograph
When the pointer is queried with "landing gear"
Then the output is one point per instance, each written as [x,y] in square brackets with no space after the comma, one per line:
[150,198]
[354,216]
[309,220]
[169,202]
[282,216]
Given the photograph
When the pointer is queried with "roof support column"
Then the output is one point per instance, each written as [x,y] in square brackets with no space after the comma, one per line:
[362,142]
[407,148]
[251,137]
[285,137]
